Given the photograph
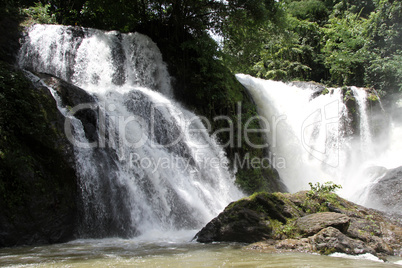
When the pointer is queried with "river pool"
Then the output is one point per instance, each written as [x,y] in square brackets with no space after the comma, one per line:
[171,250]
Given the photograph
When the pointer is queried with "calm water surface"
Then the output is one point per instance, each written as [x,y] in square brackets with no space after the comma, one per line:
[171,250]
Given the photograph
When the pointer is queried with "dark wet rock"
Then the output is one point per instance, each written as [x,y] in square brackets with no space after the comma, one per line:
[9,36]
[241,222]
[248,227]
[72,96]
[38,185]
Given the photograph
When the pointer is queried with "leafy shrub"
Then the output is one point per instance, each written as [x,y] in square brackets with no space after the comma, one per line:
[320,190]
[320,196]
[39,14]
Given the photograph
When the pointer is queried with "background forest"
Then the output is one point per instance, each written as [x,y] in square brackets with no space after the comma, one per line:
[337,42]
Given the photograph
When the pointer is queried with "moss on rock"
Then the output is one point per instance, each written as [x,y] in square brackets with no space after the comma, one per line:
[294,224]
[37,176]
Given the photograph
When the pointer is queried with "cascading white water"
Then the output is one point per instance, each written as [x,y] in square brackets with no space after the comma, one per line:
[153,166]
[365,132]
[91,58]
[305,136]
[314,135]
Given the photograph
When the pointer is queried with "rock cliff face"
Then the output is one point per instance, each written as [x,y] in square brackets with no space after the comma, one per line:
[300,222]
[388,190]
[38,183]
[72,96]
[37,177]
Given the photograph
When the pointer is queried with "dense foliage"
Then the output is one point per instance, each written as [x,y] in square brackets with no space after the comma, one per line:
[337,42]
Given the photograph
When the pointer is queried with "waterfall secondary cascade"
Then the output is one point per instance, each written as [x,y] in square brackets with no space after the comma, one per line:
[152,165]
[314,134]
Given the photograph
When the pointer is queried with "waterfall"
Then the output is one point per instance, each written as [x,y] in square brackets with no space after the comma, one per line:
[365,132]
[152,165]
[314,131]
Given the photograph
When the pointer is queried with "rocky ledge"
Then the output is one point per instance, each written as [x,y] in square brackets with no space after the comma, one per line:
[306,222]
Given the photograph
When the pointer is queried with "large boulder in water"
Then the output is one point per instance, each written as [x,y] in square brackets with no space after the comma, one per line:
[248,220]
[281,221]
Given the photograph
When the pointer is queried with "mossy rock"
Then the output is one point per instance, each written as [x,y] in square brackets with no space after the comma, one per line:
[283,221]
[248,220]
[38,185]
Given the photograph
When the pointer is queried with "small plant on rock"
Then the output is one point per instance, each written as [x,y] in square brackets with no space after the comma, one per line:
[320,196]
[319,190]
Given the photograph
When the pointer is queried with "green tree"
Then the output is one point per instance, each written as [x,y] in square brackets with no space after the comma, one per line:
[245,31]
[312,10]
[292,54]
[345,49]
[385,32]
